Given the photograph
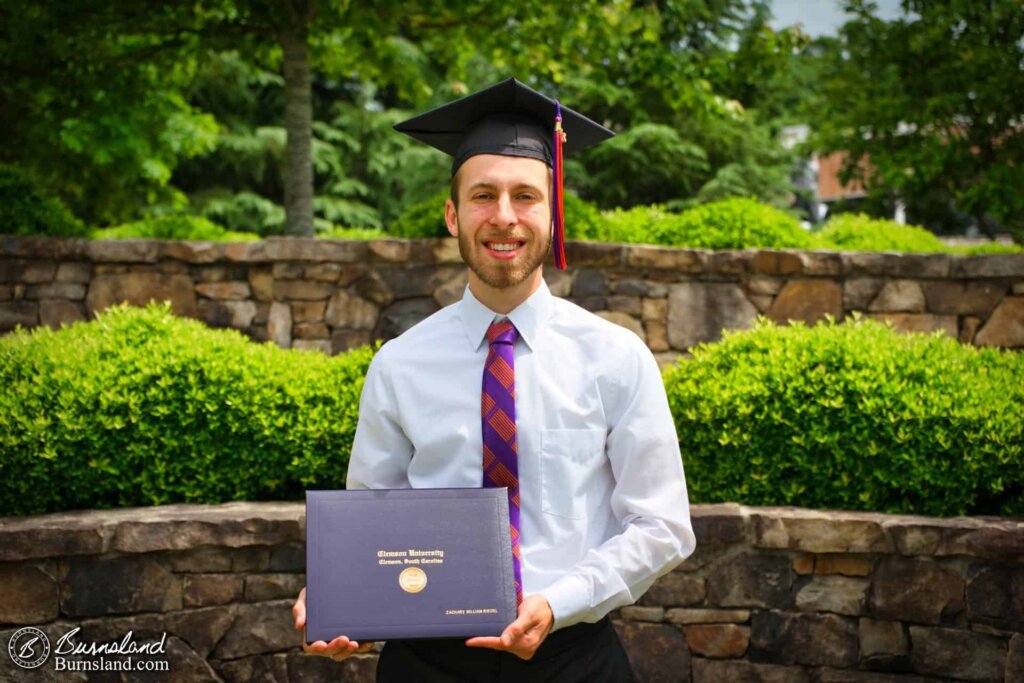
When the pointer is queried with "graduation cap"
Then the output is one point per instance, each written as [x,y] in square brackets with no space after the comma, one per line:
[510,119]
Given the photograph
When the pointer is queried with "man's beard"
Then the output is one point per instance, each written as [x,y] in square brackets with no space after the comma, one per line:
[498,274]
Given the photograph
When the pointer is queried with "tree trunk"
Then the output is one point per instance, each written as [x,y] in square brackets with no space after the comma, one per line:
[298,121]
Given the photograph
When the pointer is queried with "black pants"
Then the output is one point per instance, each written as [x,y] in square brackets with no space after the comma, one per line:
[581,653]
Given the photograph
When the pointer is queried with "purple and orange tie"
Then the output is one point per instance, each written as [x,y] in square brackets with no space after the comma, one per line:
[498,409]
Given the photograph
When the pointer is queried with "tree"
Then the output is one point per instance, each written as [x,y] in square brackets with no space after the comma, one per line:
[91,101]
[370,40]
[235,107]
[664,74]
[933,101]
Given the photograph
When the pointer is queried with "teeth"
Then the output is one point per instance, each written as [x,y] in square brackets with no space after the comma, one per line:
[503,247]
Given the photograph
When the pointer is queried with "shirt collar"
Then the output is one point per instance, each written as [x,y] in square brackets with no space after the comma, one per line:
[528,317]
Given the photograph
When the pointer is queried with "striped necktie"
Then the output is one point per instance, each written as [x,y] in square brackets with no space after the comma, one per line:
[498,409]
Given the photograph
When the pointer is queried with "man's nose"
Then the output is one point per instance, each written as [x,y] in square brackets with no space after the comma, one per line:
[504,213]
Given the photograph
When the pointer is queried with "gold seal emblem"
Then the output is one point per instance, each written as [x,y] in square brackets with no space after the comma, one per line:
[412,580]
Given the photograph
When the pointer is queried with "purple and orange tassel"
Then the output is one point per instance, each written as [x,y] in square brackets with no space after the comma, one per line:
[557,203]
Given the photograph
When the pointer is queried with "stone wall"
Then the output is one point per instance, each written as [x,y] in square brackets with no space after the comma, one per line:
[772,594]
[333,295]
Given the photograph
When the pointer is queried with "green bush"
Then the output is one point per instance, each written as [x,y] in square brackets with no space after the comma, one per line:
[338,232]
[731,224]
[633,226]
[425,219]
[858,232]
[583,220]
[174,228]
[987,249]
[140,408]
[852,416]
[24,210]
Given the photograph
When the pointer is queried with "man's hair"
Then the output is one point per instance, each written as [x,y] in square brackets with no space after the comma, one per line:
[455,189]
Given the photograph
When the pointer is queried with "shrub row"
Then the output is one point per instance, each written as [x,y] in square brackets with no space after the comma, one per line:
[140,408]
[174,228]
[735,223]
[852,416]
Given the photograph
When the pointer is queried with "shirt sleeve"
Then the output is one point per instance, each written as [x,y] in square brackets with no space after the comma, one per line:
[381,451]
[649,499]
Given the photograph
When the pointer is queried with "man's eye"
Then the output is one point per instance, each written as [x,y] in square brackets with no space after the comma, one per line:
[482,195]
[527,196]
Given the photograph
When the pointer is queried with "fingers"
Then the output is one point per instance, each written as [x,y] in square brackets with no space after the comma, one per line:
[299,610]
[520,641]
[491,642]
[338,649]
[515,631]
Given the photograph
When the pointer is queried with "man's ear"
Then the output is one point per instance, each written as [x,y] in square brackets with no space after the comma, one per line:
[451,219]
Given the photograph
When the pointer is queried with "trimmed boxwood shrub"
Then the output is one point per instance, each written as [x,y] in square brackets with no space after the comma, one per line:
[852,416]
[174,228]
[140,408]
[858,232]
[731,224]
[633,226]
[583,220]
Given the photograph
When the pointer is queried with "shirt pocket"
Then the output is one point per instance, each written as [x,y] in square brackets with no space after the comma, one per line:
[571,465]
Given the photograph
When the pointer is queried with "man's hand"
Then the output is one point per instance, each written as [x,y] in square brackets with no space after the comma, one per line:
[338,649]
[524,635]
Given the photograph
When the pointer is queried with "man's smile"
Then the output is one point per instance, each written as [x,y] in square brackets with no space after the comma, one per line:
[503,249]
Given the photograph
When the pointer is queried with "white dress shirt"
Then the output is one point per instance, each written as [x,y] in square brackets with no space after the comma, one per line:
[604,507]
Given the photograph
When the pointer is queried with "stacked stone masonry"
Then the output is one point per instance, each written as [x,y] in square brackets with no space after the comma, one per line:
[772,594]
[334,295]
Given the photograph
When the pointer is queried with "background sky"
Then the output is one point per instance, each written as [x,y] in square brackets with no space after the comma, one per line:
[822,17]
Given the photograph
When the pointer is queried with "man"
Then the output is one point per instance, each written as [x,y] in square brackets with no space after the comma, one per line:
[597,493]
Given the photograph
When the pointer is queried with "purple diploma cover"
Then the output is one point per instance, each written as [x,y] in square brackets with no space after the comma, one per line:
[408,563]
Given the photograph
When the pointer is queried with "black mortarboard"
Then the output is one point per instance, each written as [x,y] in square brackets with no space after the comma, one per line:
[507,118]
[510,119]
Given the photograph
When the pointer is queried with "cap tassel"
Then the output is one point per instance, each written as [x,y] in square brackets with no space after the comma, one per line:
[557,204]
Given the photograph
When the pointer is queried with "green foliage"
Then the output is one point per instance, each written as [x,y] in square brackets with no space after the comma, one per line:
[731,224]
[24,210]
[650,163]
[583,220]
[139,407]
[142,408]
[857,232]
[339,233]
[92,102]
[152,108]
[990,248]
[933,100]
[174,228]
[852,416]
[242,211]
[669,79]
[423,219]
[373,167]
[632,226]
